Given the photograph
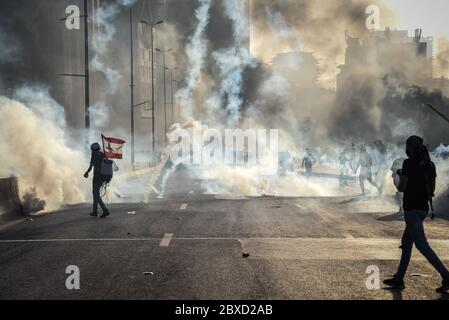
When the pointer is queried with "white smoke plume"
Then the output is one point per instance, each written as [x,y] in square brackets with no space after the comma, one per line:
[106,31]
[196,51]
[35,148]
[233,61]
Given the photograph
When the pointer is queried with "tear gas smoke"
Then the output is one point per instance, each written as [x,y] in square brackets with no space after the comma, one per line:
[196,51]
[34,148]
[233,61]
[288,82]
[442,58]
[104,17]
[311,26]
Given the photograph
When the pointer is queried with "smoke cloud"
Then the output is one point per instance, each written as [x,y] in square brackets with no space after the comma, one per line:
[196,51]
[35,148]
[282,69]
[311,26]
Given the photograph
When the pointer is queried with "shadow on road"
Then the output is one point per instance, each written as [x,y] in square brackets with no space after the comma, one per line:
[396,294]
[391,218]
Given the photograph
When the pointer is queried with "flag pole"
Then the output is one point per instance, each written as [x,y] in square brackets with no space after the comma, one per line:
[102,142]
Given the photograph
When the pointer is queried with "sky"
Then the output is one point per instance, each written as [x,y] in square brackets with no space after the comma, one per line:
[429,15]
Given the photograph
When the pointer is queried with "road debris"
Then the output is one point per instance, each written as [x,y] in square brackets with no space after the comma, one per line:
[245,255]
[417,275]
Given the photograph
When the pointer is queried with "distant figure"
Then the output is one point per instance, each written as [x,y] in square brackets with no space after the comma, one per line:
[397,165]
[343,160]
[352,155]
[98,180]
[381,164]
[417,181]
[365,164]
[308,161]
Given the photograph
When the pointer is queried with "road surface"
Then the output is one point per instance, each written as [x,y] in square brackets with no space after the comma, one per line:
[189,246]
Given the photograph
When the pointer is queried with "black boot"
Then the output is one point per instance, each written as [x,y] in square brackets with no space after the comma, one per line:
[444,289]
[105,214]
[395,283]
[94,214]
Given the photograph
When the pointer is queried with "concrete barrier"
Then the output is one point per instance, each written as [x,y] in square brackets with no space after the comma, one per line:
[10,205]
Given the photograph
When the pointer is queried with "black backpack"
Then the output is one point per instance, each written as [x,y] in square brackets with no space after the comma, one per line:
[107,170]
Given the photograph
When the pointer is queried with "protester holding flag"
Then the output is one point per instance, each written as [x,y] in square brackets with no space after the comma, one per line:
[100,163]
[97,182]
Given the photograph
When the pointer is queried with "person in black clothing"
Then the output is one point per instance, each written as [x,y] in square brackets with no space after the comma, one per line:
[417,181]
[97,182]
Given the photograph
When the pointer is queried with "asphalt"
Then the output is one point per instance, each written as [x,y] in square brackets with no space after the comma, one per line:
[190,245]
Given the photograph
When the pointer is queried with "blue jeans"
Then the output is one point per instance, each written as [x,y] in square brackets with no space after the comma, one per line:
[414,234]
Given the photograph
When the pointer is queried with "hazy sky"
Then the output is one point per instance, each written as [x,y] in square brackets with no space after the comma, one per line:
[430,15]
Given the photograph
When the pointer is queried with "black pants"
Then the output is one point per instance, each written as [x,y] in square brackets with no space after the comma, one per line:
[97,198]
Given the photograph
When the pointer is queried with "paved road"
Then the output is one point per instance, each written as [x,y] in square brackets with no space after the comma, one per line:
[189,246]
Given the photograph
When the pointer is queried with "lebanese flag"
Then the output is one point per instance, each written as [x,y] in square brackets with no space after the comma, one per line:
[113,148]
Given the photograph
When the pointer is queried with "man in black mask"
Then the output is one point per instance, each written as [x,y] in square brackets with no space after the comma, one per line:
[417,181]
[98,180]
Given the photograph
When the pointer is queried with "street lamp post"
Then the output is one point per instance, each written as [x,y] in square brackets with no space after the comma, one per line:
[165,88]
[86,75]
[172,97]
[172,93]
[152,25]
[133,150]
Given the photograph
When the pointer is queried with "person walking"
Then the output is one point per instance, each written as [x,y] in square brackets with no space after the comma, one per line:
[365,164]
[417,181]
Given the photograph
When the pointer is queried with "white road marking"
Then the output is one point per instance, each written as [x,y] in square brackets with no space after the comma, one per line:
[166,240]
[314,240]
[184,206]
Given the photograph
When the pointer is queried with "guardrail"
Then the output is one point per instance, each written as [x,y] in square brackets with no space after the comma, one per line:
[10,203]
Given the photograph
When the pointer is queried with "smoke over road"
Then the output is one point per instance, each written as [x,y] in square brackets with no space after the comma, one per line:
[276,67]
[34,147]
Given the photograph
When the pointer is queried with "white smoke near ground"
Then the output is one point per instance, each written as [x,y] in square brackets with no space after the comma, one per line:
[35,148]
[196,51]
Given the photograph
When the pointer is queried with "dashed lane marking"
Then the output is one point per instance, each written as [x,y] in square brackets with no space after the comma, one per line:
[288,248]
[166,240]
